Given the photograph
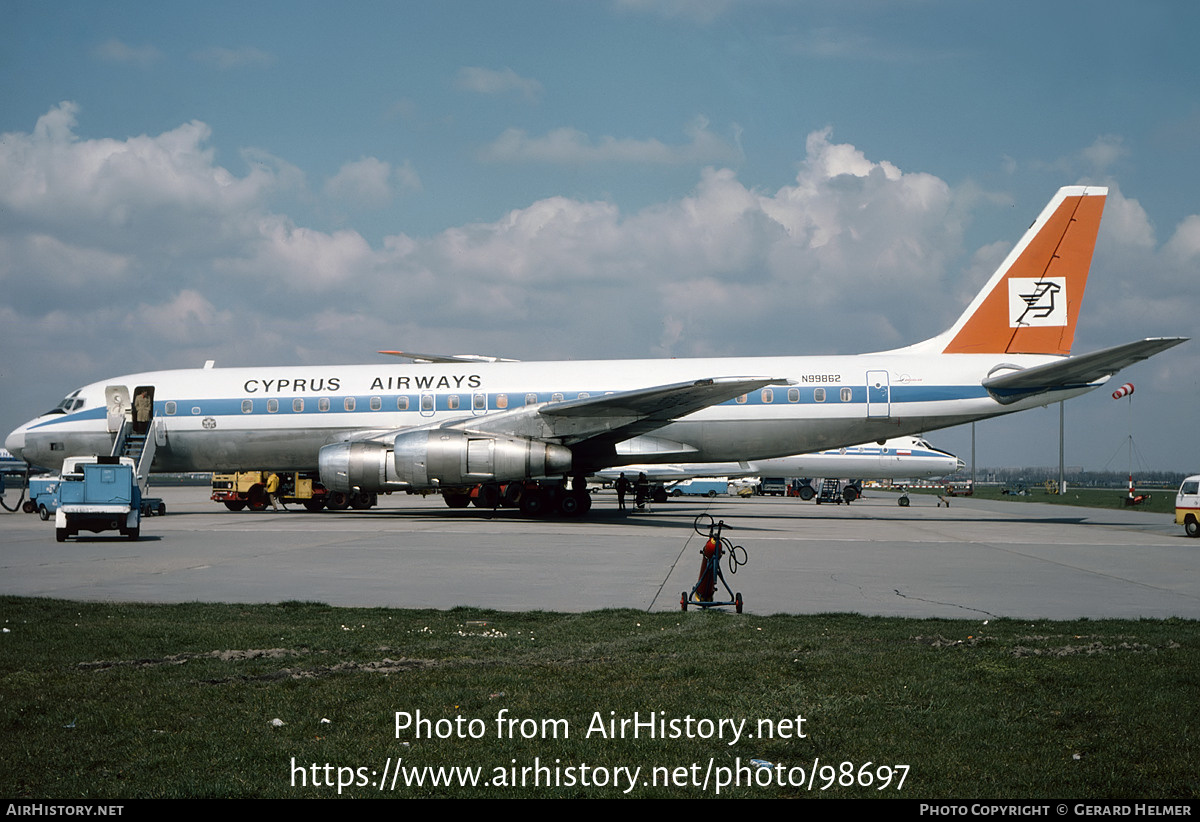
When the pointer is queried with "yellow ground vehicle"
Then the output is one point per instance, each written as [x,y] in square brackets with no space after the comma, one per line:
[248,489]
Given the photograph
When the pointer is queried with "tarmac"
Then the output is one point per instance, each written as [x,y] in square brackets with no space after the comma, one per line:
[974,560]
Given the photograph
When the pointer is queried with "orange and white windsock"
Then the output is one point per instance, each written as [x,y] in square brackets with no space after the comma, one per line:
[1124,391]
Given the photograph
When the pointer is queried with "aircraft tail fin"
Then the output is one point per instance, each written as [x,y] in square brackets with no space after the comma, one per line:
[1031,304]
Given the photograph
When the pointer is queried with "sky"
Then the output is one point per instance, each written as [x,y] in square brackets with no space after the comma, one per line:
[279,183]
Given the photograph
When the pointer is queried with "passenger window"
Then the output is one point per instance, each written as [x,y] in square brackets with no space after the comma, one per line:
[479,402]
[452,402]
[818,395]
[272,406]
[768,395]
[323,404]
[169,408]
[247,406]
[846,395]
[556,397]
[298,405]
[793,395]
[502,401]
[530,399]
[376,403]
[427,402]
[583,395]
[349,404]
[401,403]
[742,398]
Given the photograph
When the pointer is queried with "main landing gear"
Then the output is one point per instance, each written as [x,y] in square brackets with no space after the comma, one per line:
[535,499]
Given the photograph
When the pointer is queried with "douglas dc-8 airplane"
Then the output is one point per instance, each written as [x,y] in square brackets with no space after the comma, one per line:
[453,425]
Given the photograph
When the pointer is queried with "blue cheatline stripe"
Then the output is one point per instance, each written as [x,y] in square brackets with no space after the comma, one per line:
[228,406]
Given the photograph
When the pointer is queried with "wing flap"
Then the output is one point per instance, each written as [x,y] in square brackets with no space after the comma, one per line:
[1077,371]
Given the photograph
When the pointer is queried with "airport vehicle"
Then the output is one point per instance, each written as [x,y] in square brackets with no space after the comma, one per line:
[99,494]
[1187,506]
[43,495]
[248,489]
[699,488]
[423,426]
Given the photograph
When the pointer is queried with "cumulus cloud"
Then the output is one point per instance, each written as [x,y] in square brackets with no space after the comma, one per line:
[497,81]
[371,182]
[571,146]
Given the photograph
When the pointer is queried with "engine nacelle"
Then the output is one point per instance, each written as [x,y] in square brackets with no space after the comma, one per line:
[438,458]
[345,466]
[449,457]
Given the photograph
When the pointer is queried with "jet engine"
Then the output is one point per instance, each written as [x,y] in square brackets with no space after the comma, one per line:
[437,458]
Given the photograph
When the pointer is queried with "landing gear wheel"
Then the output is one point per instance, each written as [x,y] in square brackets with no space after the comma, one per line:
[569,504]
[659,494]
[511,497]
[903,501]
[850,494]
[737,602]
[457,500]
[533,502]
[488,495]
[235,504]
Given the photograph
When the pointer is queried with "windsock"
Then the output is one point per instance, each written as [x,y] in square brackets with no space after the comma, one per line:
[1124,391]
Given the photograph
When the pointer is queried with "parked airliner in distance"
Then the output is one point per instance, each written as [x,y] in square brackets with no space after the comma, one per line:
[898,458]
[454,425]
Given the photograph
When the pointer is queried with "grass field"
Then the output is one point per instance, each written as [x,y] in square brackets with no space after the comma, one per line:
[124,701]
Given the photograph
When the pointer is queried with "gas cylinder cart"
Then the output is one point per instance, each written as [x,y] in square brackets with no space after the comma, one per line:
[716,547]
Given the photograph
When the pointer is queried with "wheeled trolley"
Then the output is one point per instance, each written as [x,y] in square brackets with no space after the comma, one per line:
[716,547]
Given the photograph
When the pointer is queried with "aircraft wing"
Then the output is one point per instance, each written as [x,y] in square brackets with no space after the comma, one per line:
[610,418]
[1077,371]
[447,358]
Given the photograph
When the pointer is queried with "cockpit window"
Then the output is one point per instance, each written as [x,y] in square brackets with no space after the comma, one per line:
[71,402]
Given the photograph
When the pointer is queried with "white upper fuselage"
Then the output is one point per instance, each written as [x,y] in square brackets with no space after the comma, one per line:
[278,418]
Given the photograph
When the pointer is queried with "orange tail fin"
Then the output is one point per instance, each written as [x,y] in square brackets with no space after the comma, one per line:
[1031,303]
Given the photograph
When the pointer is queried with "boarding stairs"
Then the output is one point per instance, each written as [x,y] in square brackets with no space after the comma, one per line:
[830,491]
[138,447]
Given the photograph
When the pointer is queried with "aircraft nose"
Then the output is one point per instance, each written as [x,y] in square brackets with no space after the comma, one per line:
[15,442]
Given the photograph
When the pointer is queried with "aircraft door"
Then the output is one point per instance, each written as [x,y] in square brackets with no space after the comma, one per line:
[143,408]
[116,397]
[879,395]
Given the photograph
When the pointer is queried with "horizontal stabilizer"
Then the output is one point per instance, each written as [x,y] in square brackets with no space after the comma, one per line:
[1075,372]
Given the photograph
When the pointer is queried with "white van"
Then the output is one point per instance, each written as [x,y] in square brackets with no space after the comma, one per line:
[1187,506]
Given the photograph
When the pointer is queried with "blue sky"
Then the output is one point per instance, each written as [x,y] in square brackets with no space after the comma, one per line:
[278,183]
